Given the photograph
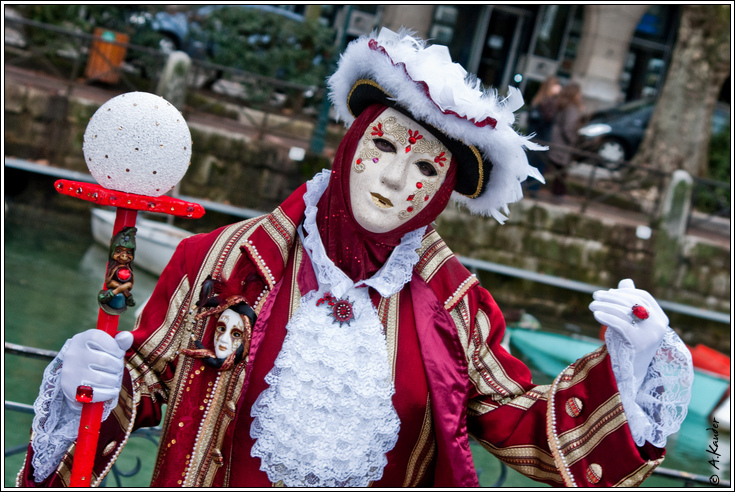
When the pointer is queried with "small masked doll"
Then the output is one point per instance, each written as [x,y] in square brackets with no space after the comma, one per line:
[115,298]
[229,302]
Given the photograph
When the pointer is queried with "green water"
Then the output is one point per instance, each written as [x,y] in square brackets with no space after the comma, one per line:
[52,272]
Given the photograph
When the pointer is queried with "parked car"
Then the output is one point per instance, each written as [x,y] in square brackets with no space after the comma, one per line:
[616,133]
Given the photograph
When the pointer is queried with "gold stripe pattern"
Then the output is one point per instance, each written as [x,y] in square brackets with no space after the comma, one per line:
[388,315]
[461,317]
[295,300]
[213,429]
[639,475]
[486,373]
[581,368]
[551,435]
[219,261]
[529,460]
[571,375]
[281,230]
[461,291]
[477,407]
[423,452]
[433,253]
[577,443]
[526,400]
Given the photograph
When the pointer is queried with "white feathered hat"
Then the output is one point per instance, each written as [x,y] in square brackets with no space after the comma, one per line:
[399,70]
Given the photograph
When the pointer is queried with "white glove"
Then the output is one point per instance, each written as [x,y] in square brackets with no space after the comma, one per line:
[614,308]
[93,358]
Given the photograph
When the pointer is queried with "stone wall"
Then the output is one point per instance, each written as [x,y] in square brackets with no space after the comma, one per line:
[230,167]
[564,243]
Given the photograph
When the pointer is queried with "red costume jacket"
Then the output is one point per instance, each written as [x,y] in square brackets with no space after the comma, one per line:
[452,378]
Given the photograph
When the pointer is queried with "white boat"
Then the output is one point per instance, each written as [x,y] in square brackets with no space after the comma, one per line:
[155,242]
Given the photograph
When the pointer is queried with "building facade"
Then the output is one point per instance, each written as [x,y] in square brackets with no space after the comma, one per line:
[617,53]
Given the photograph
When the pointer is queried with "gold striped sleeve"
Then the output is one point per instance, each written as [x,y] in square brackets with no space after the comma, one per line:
[530,460]
[485,371]
[578,442]
[640,474]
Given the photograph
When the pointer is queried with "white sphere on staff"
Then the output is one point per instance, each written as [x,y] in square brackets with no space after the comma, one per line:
[137,143]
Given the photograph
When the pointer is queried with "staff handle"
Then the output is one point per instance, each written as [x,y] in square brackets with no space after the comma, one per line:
[91,419]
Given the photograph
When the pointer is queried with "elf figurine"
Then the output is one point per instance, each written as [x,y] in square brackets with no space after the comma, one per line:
[116,297]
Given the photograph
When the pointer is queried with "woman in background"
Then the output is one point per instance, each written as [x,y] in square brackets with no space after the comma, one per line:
[569,110]
[540,120]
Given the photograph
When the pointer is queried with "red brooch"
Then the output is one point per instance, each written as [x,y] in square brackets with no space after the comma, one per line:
[413,137]
[377,130]
[342,310]
[440,159]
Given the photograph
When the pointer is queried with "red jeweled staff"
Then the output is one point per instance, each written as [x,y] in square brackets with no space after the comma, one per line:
[137,146]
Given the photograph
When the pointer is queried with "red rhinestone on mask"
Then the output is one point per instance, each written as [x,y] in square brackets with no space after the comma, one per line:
[413,137]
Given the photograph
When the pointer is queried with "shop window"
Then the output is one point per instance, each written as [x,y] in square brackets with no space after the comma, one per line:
[550,35]
[454,27]
[647,60]
[571,47]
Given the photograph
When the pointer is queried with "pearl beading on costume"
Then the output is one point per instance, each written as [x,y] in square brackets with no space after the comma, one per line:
[201,424]
[555,449]
[459,289]
[265,269]
[261,297]
[121,445]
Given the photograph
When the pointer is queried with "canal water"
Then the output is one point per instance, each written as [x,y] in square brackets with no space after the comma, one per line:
[52,273]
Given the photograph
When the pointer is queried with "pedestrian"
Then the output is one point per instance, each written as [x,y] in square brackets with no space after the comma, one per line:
[366,353]
[569,110]
[540,120]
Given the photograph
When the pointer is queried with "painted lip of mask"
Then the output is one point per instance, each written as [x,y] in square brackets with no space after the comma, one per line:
[381,201]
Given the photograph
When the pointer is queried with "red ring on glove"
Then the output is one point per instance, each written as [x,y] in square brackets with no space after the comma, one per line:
[639,312]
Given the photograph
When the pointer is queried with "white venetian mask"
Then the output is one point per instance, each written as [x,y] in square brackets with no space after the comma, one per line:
[228,334]
[397,169]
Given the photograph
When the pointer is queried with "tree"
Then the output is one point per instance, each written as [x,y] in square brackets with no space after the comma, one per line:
[679,132]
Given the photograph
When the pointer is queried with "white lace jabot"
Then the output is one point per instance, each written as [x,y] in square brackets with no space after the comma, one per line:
[327,418]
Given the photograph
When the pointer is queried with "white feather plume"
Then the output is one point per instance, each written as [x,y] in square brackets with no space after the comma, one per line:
[451,89]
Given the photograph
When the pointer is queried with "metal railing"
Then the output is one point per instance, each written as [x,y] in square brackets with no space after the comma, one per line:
[216,89]
[153,434]
[638,189]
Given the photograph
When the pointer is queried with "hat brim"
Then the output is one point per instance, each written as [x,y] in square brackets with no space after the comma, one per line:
[473,171]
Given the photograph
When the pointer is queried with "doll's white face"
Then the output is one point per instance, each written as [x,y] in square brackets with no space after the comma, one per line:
[396,171]
[228,334]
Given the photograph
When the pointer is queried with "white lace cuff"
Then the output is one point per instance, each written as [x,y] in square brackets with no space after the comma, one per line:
[656,406]
[55,423]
